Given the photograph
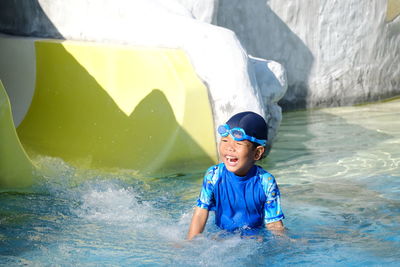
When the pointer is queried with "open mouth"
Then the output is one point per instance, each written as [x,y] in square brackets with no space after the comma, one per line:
[231,160]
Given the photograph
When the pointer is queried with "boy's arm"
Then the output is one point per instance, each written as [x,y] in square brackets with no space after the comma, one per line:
[198,223]
[273,212]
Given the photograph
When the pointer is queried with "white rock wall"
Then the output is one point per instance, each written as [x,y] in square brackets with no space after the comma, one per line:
[336,52]
[216,54]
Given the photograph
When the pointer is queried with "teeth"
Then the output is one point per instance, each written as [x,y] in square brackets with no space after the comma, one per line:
[231,162]
[231,159]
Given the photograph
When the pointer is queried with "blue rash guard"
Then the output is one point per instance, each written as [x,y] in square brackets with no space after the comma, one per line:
[240,202]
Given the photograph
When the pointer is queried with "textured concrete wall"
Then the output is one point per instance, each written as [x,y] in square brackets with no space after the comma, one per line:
[335,52]
[338,52]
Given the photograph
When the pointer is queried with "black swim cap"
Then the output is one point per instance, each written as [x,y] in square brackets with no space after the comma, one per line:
[252,123]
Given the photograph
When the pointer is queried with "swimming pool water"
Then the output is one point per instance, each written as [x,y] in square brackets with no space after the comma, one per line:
[339,175]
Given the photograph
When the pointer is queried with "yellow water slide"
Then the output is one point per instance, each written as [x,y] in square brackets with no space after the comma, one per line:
[105,107]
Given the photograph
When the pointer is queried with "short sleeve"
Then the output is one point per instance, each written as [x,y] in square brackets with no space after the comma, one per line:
[272,207]
[206,198]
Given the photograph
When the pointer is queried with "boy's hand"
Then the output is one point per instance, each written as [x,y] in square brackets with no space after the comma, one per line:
[276,228]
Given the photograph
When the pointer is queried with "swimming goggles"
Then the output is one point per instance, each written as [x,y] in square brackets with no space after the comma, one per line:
[238,134]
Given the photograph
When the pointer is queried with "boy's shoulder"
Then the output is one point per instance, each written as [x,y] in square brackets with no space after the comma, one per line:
[263,173]
[265,177]
[213,173]
[215,169]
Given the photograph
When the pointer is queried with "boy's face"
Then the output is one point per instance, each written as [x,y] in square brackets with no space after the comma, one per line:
[239,156]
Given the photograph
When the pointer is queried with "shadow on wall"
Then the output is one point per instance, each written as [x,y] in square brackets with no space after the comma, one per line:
[26,18]
[73,117]
[265,35]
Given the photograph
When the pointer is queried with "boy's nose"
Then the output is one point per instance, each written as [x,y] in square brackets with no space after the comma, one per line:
[230,148]
[230,145]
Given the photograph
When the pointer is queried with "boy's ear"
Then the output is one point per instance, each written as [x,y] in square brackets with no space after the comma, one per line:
[259,152]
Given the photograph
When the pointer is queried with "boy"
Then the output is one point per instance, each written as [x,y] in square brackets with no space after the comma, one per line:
[242,194]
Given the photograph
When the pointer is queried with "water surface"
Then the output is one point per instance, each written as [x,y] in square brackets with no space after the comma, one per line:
[339,175]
